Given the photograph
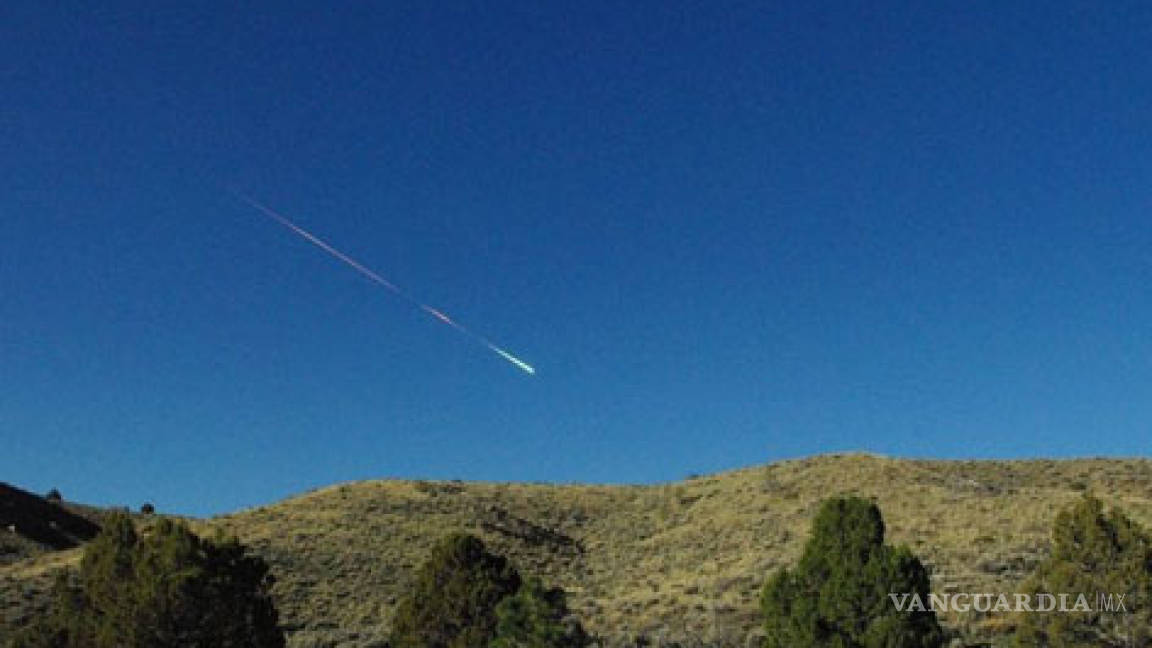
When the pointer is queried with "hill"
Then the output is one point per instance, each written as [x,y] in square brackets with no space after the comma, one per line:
[682,561]
[34,535]
[33,525]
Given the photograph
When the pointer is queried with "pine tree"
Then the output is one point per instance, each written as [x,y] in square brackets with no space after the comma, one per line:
[536,617]
[837,596]
[167,588]
[1093,552]
[453,601]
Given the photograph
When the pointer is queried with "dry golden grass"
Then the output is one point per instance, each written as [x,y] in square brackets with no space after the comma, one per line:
[683,560]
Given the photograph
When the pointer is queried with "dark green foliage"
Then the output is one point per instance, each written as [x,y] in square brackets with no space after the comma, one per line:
[453,601]
[536,617]
[53,496]
[1092,552]
[837,595]
[147,509]
[165,588]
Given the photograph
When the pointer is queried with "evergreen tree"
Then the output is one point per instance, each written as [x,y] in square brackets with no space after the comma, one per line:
[453,601]
[837,596]
[166,588]
[1093,553]
[536,617]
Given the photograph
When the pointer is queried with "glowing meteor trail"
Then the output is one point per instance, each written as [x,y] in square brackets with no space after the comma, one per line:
[376,278]
[511,358]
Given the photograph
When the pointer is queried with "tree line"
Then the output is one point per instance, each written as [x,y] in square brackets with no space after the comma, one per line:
[167,587]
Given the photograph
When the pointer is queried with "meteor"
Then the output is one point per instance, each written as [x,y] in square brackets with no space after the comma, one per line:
[511,358]
[381,281]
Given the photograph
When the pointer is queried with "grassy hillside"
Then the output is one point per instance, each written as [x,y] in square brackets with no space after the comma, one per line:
[35,538]
[676,561]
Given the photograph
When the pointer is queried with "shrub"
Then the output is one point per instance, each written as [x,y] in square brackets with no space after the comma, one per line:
[167,588]
[453,602]
[536,617]
[1092,552]
[838,593]
[54,496]
[147,509]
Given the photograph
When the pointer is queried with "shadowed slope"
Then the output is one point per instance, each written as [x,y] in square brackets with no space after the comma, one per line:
[41,525]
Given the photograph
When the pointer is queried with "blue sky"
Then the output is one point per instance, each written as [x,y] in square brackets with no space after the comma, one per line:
[724,233]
